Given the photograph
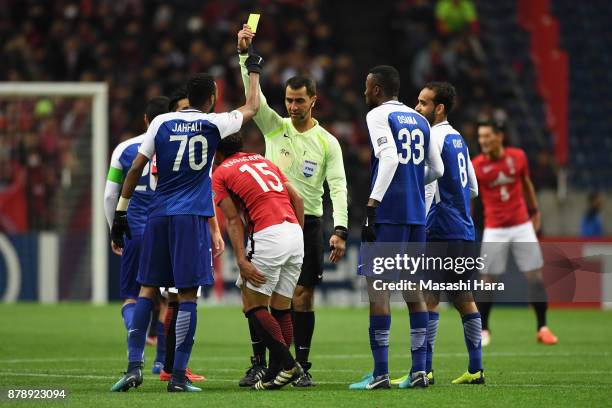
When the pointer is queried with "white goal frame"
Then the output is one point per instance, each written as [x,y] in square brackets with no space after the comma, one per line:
[98,91]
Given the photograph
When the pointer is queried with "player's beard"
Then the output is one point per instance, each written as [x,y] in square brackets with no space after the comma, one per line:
[370,104]
[430,116]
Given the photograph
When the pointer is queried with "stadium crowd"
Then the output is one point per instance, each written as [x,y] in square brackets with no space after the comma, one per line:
[142,49]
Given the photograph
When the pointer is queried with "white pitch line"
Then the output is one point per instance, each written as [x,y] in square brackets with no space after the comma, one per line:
[322,356]
[107,377]
[498,373]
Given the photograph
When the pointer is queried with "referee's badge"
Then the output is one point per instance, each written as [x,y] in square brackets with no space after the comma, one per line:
[309,168]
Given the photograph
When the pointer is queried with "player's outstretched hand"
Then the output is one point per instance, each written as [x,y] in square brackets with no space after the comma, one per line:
[251,274]
[367,229]
[337,244]
[218,245]
[120,227]
[245,37]
[116,249]
[254,63]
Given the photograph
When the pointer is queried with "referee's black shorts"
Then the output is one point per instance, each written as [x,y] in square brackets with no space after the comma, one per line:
[312,268]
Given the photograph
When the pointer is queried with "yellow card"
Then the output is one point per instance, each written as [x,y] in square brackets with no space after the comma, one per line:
[253,21]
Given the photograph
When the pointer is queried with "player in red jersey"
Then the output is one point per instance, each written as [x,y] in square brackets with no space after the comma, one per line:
[270,265]
[511,220]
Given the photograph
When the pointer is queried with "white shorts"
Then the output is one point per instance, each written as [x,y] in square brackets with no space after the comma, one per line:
[522,239]
[278,253]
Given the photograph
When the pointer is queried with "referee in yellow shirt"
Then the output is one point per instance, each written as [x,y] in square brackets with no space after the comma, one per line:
[308,155]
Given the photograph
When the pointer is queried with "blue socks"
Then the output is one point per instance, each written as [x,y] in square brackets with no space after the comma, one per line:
[432,332]
[472,327]
[127,312]
[161,343]
[137,333]
[418,345]
[185,332]
[379,343]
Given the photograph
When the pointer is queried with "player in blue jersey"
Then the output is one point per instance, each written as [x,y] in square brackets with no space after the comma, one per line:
[179,101]
[121,160]
[176,247]
[395,213]
[450,229]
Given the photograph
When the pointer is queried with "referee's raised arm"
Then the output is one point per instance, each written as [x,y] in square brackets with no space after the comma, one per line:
[266,119]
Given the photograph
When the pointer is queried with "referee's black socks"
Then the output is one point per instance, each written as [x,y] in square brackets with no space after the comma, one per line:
[303,328]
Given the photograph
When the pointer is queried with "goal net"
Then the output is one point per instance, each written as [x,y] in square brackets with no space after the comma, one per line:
[53,159]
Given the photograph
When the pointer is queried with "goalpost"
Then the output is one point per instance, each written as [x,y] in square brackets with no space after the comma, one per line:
[98,92]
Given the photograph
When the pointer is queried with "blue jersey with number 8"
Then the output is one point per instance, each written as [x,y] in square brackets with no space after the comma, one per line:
[450,214]
[185,143]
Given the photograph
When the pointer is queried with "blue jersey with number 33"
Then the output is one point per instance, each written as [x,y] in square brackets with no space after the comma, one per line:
[185,143]
[393,125]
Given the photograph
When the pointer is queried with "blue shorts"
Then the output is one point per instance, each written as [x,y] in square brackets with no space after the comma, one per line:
[396,239]
[129,288]
[461,253]
[176,252]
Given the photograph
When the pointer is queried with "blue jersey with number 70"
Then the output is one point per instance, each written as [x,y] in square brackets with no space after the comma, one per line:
[393,125]
[185,143]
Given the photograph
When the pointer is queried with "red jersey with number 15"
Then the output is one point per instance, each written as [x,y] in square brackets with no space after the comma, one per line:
[501,188]
[257,185]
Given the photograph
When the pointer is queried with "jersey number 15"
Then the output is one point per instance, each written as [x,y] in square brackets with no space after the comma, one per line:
[261,169]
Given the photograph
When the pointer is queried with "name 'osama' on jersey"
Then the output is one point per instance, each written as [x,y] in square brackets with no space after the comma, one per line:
[394,125]
[185,143]
[450,214]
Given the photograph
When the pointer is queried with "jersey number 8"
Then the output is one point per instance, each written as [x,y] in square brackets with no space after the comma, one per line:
[462,169]
[407,138]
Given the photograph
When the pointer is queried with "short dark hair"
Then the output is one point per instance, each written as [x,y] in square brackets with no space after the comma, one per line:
[299,81]
[156,106]
[445,94]
[177,95]
[200,88]
[388,78]
[496,125]
[230,145]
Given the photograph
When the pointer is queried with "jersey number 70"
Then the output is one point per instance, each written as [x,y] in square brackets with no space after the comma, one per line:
[192,159]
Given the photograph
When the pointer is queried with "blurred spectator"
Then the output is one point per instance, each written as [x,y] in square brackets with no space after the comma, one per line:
[456,16]
[592,224]
[544,174]
[145,48]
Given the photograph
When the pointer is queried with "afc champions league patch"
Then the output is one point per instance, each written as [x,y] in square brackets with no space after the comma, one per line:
[309,168]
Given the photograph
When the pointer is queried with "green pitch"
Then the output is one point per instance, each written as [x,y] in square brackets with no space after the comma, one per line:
[82,348]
